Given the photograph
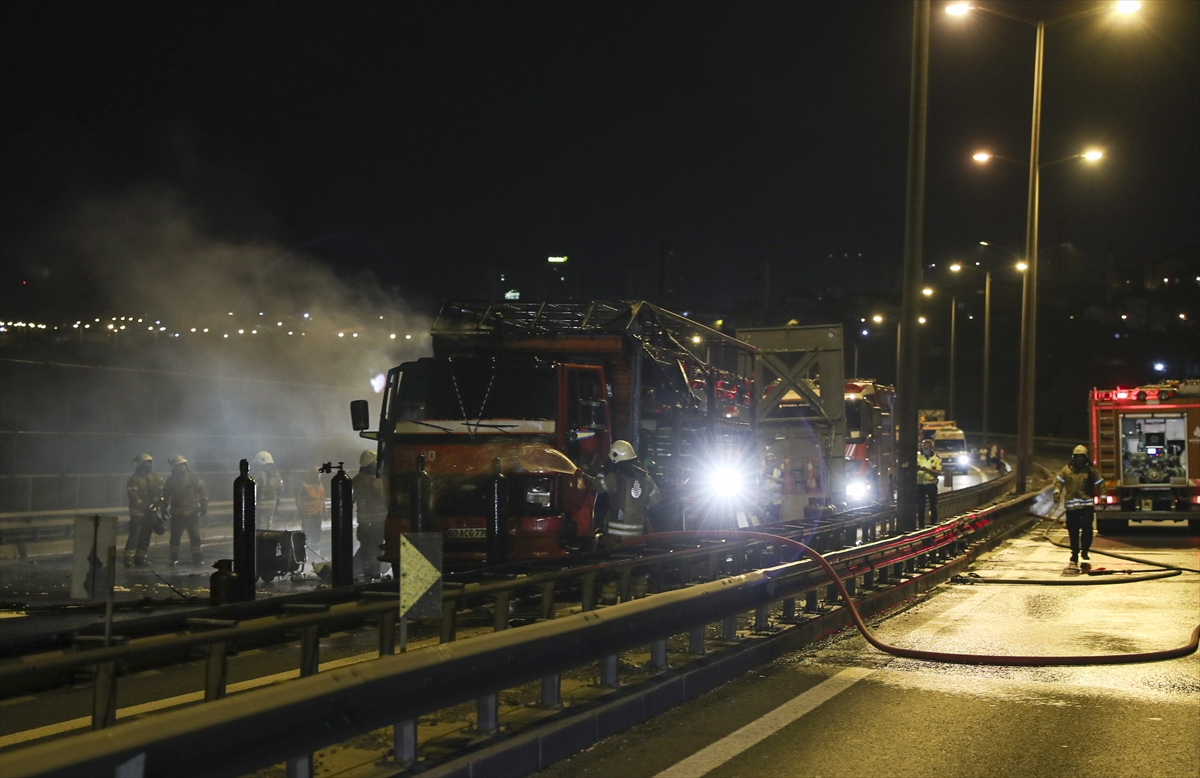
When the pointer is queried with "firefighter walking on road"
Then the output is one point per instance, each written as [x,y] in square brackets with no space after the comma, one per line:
[631,492]
[310,505]
[1077,484]
[370,503]
[269,492]
[929,467]
[144,489]
[185,500]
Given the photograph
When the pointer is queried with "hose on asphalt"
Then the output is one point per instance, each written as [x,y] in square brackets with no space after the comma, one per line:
[1091,579]
[929,656]
[1112,554]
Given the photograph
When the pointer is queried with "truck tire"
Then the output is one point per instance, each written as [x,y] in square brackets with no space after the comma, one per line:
[1112,526]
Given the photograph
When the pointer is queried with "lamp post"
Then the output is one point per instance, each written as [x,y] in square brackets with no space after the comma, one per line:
[1025,392]
[928,292]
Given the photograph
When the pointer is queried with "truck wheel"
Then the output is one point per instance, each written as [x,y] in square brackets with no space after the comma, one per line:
[1112,526]
[267,577]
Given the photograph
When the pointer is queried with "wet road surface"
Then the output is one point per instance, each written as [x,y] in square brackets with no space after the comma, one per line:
[841,708]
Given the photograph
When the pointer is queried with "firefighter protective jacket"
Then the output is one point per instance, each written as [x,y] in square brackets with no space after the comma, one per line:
[184,494]
[269,486]
[1079,486]
[630,491]
[145,493]
[370,497]
[933,462]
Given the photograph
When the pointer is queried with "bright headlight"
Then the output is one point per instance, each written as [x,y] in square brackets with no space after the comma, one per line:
[726,481]
[963,459]
[857,488]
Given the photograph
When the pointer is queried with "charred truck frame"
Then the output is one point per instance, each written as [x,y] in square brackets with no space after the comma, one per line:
[485,441]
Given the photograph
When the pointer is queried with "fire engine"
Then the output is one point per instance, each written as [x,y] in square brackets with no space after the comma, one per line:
[870,442]
[1146,442]
[489,440]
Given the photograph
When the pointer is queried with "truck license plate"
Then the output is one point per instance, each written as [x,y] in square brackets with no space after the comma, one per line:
[467,533]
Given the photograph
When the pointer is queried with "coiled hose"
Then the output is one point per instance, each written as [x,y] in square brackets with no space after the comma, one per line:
[929,656]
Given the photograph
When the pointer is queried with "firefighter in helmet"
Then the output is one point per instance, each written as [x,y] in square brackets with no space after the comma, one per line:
[144,489]
[269,492]
[185,500]
[631,491]
[370,503]
[1077,484]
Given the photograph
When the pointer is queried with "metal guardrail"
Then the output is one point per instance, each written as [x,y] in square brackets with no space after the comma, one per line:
[268,725]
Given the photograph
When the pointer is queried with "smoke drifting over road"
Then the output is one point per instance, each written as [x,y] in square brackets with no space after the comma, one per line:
[206,346]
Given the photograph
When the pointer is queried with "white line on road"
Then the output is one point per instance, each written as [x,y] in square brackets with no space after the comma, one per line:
[717,754]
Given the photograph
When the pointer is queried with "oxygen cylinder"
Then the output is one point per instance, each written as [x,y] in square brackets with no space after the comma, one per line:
[244,493]
[342,509]
[497,518]
[421,490]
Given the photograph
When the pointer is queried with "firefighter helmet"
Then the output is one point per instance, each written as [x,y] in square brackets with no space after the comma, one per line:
[367,457]
[263,458]
[176,460]
[140,458]
[621,451]
[1080,450]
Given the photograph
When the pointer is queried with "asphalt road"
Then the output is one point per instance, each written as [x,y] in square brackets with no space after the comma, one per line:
[841,708]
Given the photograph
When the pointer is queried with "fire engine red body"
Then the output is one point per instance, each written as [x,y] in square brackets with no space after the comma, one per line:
[1146,443]
[870,441]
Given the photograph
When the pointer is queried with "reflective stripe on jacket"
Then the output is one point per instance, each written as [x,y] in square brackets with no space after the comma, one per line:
[629,496]
[310,500]
[1079,486]
[933,462]
[145,492]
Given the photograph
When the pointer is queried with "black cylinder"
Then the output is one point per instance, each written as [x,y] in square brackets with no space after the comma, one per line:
[342,510]
[497,518]
[421,489]
[244,492]
[223,584]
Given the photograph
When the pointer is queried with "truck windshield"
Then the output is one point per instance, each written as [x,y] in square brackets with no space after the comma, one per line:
[477,389]
[949,445]
[854,421]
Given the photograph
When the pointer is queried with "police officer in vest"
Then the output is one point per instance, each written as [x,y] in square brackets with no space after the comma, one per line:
[929,467]
[631,491]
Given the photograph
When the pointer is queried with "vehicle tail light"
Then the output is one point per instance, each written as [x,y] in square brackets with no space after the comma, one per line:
[1196,499]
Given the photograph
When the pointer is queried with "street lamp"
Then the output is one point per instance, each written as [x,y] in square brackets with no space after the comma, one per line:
[928,292]
[1025,394]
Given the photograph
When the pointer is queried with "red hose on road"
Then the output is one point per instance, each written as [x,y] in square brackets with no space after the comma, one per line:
[931,656]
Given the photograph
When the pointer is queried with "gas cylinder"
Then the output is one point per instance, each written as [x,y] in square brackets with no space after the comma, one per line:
[223,585]
[342,531]
[244,494]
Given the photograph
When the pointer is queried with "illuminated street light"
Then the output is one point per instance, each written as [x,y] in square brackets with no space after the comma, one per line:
[1028,364]
[1093,155]
[877,319]
[958,9]
[1022,266]
[927,291]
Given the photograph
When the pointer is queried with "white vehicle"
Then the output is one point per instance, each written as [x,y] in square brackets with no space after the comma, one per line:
[950,444]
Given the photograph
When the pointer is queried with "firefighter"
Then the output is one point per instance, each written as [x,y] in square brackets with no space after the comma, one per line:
[370,503]
[631,491]
[185,500]
[144,489]
[929,467]
[269,492]
[1077,483]
[310,505]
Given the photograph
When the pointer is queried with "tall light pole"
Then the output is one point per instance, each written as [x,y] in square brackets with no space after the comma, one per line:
[928,292]
[1025,392]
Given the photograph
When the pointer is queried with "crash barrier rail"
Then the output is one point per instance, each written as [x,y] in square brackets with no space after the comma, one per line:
[626,578]
[287,722]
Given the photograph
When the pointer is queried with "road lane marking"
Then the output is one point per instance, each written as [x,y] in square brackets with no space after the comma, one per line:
[26,698]
[720,752]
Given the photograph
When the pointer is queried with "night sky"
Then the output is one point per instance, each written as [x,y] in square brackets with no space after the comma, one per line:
[424,142]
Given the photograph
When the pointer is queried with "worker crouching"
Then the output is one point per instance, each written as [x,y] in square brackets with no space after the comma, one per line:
[185,500]
[631,492]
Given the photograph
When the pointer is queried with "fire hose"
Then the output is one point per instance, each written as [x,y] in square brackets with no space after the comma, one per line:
[1112,554]
[930,656]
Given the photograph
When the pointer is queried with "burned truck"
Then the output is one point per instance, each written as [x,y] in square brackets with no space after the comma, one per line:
[490,440]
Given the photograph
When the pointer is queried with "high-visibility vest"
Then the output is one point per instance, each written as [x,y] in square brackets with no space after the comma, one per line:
[311,500]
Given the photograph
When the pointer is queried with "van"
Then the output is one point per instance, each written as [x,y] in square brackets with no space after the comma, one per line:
[950,444]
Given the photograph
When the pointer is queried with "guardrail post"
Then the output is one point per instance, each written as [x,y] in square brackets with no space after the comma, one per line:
[729,628]
[625,592]
[216,671]
[696,641]
[658,653]
[762,618]
[552,691]
[869,579]
[714,565]
[811,603]
[608,671]
[449,612]
[310,648]
[487,713]
[387,634]
[789,609]
[548,600]
[882,574]
[588,592]
[104,696]
[404,742]
[851,584]
[500,617]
